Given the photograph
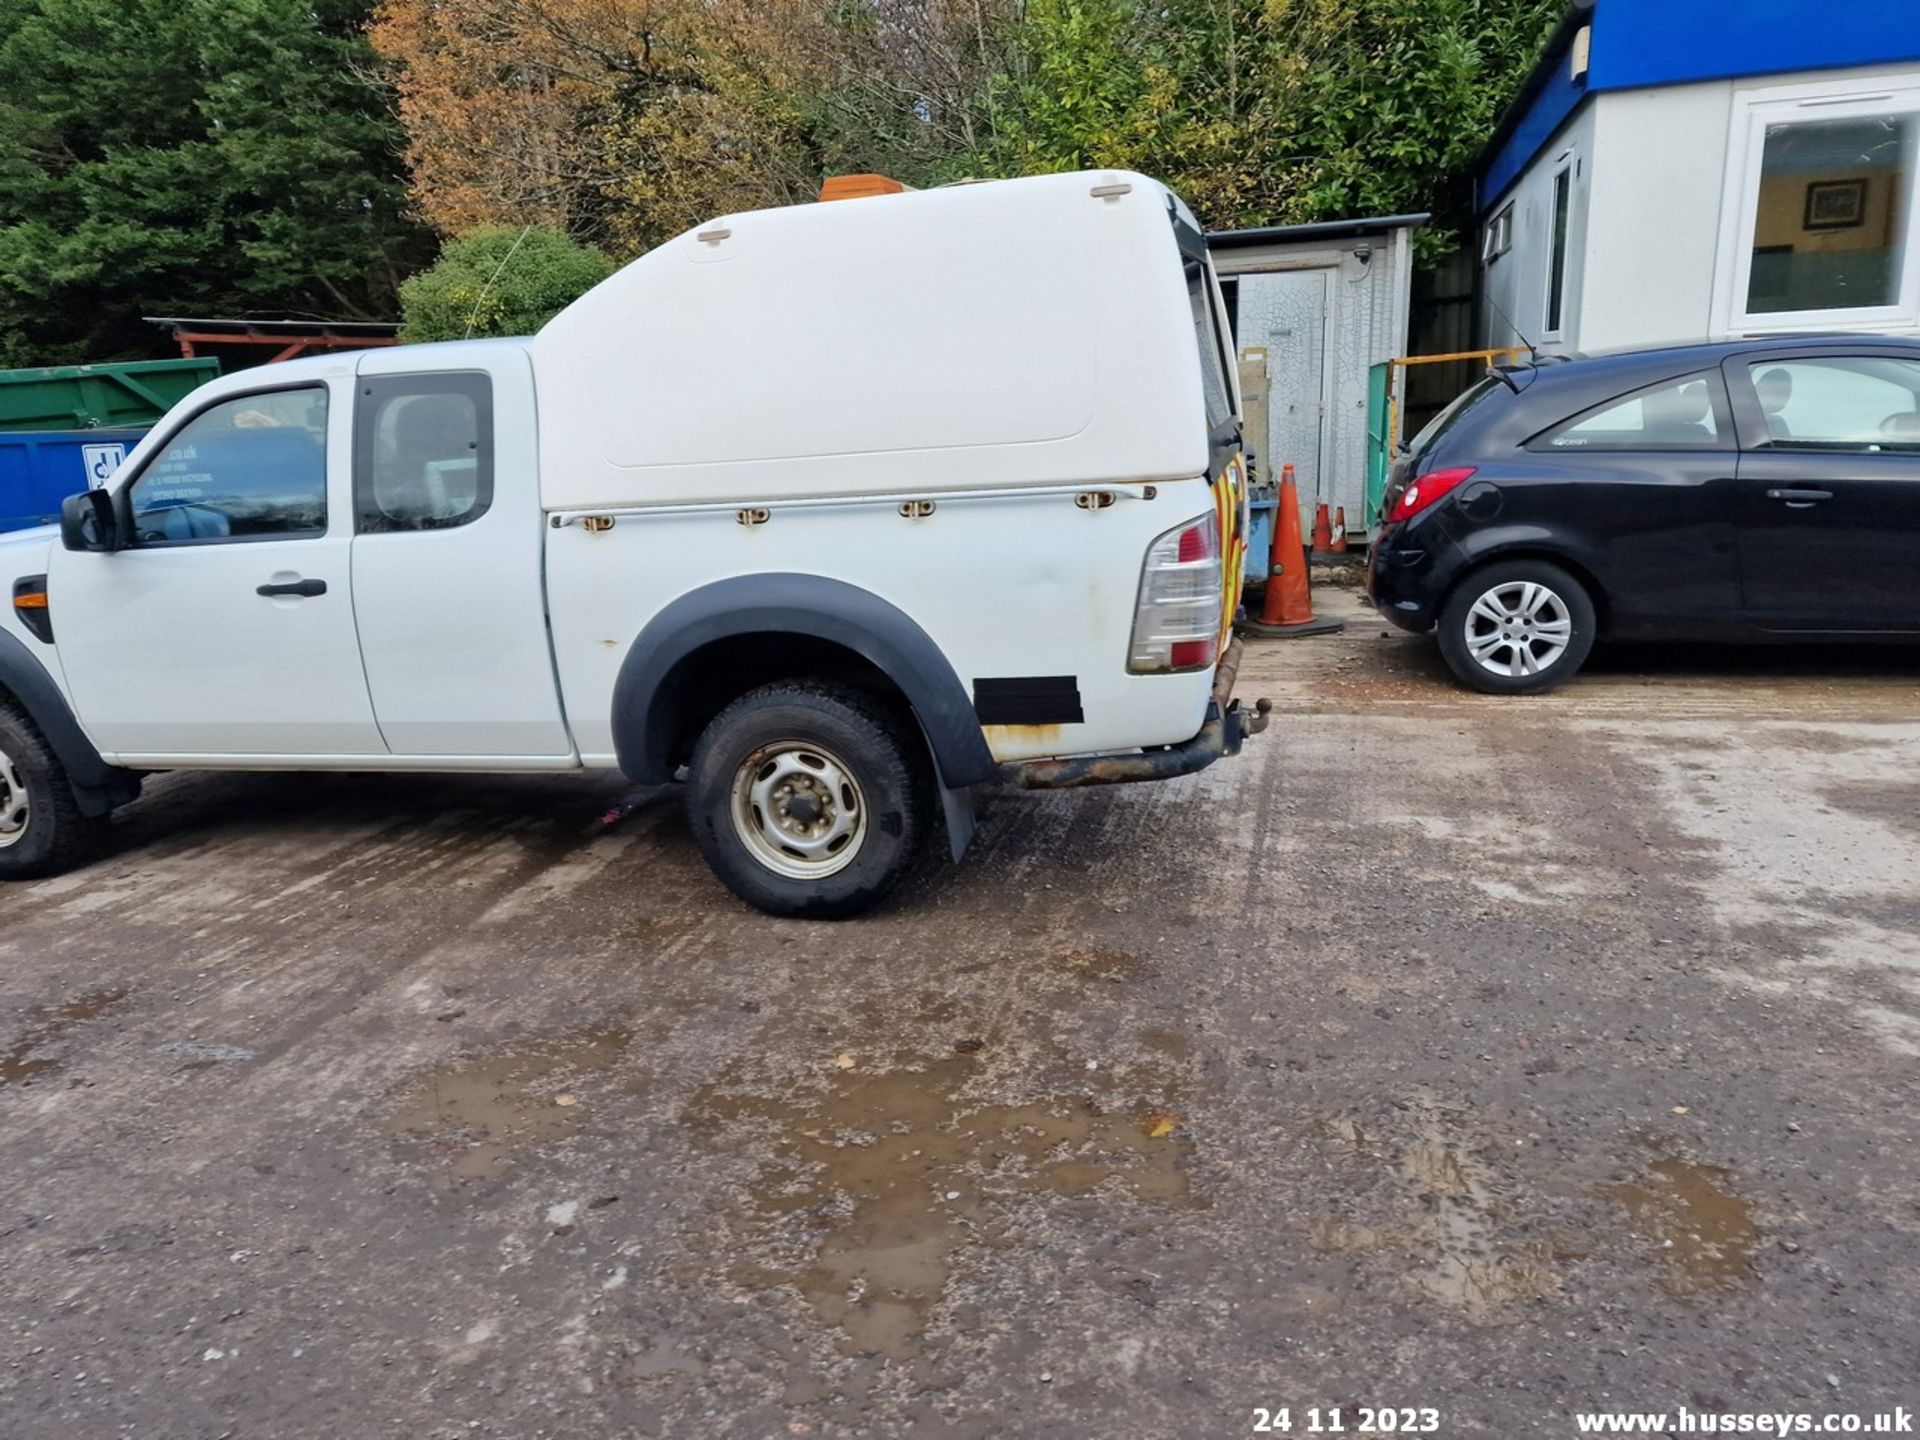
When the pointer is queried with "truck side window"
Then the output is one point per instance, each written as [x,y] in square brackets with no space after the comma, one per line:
[250,468]
[422,452]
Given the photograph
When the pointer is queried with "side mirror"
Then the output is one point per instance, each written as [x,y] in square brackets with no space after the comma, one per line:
[88,522]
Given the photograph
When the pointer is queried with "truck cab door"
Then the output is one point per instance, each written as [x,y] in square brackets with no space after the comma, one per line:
[448,580]
[224,631]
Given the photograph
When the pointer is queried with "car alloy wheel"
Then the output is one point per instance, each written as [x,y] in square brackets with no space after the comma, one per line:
[1518,628]
[798,810]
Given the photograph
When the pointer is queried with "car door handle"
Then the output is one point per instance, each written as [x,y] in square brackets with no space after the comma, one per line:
[1800,499]
[306,589]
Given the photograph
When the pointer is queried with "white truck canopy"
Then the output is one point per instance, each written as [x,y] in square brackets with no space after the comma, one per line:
[1011,333]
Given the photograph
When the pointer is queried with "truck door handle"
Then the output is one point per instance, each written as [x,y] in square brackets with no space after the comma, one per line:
[1800,499]
[307,589]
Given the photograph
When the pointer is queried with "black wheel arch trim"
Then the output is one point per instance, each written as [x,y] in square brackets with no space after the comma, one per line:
[792,604]
[97,786]
[1498,544]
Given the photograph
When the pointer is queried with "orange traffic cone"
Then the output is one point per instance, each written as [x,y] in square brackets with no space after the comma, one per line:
[1338,544]
[1288,608]
[1322,531]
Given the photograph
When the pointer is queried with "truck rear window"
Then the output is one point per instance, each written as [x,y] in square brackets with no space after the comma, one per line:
[1213,372]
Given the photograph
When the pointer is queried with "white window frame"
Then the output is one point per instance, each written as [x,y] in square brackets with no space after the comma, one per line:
[1498,239]
[1567,163]
[1753,111]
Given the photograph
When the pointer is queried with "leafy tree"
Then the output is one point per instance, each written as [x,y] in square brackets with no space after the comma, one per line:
[499,281]
[191,156]
[1266,111]
[1092,83]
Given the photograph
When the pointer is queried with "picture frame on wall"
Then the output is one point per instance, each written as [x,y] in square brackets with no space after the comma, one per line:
[1835,205]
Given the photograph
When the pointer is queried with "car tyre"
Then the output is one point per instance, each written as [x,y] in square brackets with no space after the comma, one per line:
[810,799]
[1517,627]
[42,828]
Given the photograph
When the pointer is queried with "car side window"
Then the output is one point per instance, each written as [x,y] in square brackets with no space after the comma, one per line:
[1839,402]
[250,468]
[1673,415]
[422,452]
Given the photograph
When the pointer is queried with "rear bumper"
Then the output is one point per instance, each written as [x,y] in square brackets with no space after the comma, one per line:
[1227,726]
[1408,575]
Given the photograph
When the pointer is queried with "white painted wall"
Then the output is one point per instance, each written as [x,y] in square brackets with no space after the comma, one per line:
[1653,235]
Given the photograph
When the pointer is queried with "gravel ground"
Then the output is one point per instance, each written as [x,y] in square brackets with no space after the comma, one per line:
[1507,1058]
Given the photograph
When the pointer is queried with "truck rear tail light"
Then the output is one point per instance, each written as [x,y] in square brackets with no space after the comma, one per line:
[1176,624]
[1426,491]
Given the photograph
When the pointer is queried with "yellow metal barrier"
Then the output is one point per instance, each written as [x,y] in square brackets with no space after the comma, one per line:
[1383,412]
[1492,357]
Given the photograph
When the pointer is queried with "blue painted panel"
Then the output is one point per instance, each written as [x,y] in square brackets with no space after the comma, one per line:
[1670,42]
[40,468]
[1557,101]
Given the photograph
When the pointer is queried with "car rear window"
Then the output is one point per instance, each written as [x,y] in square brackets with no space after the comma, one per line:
[1672,415]
[1450,416]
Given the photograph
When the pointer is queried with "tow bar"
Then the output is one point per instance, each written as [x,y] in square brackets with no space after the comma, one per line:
[1227,727]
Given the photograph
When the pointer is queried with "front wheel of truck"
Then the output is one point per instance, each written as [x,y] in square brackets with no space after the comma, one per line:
[42,829]
[810,799]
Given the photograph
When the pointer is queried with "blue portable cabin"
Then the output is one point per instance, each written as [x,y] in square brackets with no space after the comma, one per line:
[1673,172]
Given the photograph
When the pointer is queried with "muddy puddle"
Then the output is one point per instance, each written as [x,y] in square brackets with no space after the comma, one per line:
[1096,962]
[1434,1203]
[22,1064]
[478,1115]
[879,1183]
[1705,1232]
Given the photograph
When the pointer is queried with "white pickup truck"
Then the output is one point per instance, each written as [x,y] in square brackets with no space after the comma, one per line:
[833,512]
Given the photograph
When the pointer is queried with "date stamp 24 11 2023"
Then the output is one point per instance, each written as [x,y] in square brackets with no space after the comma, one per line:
[1345,1419]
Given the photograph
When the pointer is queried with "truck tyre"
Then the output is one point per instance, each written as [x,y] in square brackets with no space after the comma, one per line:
[810,799]
[42,831]
[1517,627]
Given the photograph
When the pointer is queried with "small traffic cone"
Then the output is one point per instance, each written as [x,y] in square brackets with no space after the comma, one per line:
[1338,544]
[1322,531]
[1288,607]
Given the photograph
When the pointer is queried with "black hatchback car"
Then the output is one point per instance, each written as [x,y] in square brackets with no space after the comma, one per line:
[1758,490]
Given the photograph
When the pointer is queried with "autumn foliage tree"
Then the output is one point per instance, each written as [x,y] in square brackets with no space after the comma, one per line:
[629,120]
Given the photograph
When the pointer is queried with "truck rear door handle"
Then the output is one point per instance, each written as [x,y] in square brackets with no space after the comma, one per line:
[304,588]
[1800,499]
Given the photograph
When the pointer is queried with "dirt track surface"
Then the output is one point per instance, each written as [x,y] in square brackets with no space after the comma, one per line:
[1506,1058]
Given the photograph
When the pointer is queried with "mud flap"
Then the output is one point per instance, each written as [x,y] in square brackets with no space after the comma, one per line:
[956,805]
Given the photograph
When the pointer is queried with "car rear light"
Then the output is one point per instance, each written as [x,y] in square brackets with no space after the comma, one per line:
[1425,491]
[1176,624]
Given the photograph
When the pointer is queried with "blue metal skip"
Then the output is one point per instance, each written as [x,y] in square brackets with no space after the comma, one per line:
[40,468]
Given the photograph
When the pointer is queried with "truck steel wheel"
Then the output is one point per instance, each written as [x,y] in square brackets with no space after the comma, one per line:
[42,830]
[1517,627]
[797,807]
[809,798]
